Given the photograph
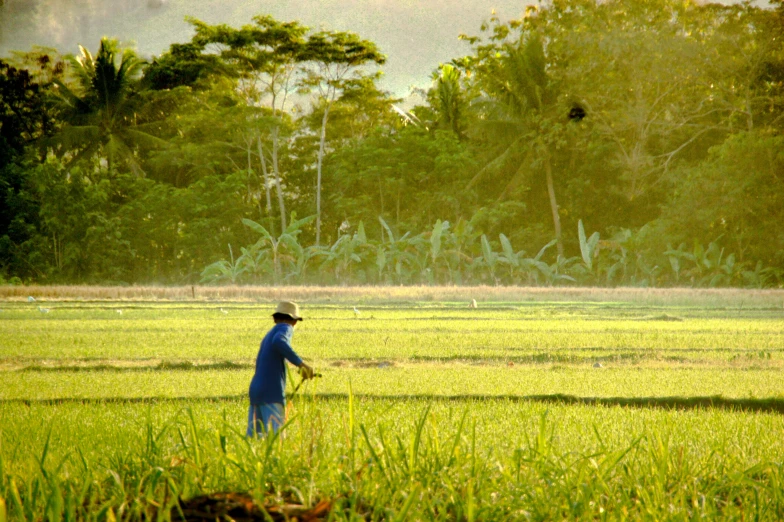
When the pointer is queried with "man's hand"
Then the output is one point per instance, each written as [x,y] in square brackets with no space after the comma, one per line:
[306,371]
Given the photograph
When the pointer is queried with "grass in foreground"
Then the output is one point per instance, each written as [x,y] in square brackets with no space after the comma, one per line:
[385,459]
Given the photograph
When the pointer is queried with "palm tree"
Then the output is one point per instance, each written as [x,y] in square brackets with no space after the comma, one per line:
[100,112]
[448,99]
[520,101]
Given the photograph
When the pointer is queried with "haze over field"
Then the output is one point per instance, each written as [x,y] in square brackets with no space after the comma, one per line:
[416,35]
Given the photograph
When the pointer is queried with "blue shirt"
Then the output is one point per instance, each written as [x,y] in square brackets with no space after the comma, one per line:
[269,381]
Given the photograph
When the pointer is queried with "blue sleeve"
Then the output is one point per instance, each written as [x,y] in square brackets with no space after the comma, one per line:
[283,346]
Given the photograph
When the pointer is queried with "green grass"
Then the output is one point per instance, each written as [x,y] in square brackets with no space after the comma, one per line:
[417,380]
[468,461]
[536,334]
[419,414]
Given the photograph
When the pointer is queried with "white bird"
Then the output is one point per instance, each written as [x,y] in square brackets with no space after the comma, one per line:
[30,299]
[472,304]
[356,312]
[43,310]
[119,312]
[598,365]
[224,312]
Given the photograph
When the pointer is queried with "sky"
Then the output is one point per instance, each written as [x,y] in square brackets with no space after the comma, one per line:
[416,35]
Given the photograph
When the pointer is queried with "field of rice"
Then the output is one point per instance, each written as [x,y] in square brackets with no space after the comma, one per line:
[535,405]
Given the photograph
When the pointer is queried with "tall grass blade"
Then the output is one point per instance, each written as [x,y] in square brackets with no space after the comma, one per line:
[456,440]
[374,455]
[470,502]
[194,438]
[401,516]
[16,500]
[414,455]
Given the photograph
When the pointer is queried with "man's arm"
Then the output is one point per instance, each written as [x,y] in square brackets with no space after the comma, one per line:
[284,348]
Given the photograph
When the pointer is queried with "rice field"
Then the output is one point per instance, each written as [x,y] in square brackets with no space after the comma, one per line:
[534,406]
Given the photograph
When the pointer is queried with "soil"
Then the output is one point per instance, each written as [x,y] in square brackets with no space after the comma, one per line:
[242,508]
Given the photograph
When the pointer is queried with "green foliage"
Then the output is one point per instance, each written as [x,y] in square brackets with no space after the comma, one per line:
[183,65]
[587,246]
[117,170]
[24,116]
[100,110]
[410,177]
[453,256]
[402,461]
[737,196]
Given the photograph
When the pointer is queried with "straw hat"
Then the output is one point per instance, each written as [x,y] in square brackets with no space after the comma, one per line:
[290,309]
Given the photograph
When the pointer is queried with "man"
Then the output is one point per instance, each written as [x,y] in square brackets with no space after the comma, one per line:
[267,388]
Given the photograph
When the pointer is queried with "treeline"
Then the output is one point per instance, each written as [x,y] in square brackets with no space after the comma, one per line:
[613,143]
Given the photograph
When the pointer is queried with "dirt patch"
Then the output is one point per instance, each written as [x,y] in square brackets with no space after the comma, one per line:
[363,363]
[242,508]
[661,317]
[119,365]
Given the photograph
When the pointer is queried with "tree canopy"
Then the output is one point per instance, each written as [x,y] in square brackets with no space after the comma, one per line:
[614,143]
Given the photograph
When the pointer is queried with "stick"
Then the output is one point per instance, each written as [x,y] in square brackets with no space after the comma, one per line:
[296,388]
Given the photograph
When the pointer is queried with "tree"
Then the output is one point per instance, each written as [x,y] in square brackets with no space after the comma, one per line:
[736,197]
[100,113]
[263,57]
[448,98]
[334,55]
[409,176]
[519,110]
[696,74]
[24,118]
[743,64]
[184,65]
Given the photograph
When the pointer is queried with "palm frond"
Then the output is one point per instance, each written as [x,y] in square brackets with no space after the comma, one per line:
[144,139]
[498,162]
[118,150]
[73,137]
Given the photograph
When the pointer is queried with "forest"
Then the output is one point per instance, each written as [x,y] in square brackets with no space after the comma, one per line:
[617,143]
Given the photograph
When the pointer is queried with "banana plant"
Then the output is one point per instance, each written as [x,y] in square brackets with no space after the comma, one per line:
[435,239]
[761,277]
[675,262]
[225,271]
[557,272]
[285,247]
[439,230]
[381,261]
[587,246]
[347,252]
[489,258]
[706,266]
[509,257]
[455,251]
[618,248]
[253,264]
[400,254]
[534,267]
